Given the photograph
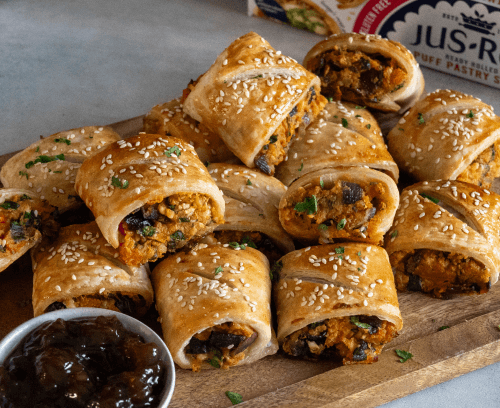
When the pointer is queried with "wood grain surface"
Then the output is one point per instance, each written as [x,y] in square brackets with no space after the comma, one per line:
[472,341]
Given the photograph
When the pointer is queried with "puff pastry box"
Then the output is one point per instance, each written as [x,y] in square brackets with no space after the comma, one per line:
[336,301]
[81,269]
[449,135]
[150,195]
[214,306]
[444,240]
[49,166]
[255,99]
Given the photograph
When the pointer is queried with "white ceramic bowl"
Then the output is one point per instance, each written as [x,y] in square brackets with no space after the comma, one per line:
[10,342]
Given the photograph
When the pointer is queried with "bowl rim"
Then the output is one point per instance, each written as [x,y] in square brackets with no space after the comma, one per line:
[12,339]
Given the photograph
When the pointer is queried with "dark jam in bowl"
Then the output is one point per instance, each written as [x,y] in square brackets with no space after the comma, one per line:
[88,363]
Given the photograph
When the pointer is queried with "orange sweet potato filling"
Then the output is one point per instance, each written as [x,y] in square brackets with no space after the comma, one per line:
[356,76]
[484,169]
[439,273]
[345,337]
[182,217]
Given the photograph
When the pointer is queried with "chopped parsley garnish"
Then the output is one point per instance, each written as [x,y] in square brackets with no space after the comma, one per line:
[276,269]
[470,114]
[148,231]
[258,76]
[261,215]
[322,227]
[25,197]
[182,219]
[249,183]
[402,130]
[339,250]
[345,123]
[235,245]
[301,166]
[355,321]
[115,182]
[57,171]
[265,147]
[23,173]
[394,234]
[498,327]
[368,126]
[248,242]
[234,397]
[218,270]
[9,205]
[273,139]
[421,119]
[443,328]
[434,200]
[321,184]
[44,159]
[341,224]
[62,140]
[2,249]
[207,163]
[216,360]
[357,116]
[309,205]
[27,215]
[173,150]
[359,253]
[37,149]
[405,355]
[360,107]
[341,257]
[330,99]
[315,324]
[177,236]
[398,87]
[172,207]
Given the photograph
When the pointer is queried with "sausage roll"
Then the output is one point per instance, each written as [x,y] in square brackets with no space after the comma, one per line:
[169,119]
[345,203]
[368,70]
[446,136]
[81,269]
[336,301]
[150,194]
[255,98]
[251,216]
[214,306]
[445,239]
[343,134]
[48,167]
[23,219]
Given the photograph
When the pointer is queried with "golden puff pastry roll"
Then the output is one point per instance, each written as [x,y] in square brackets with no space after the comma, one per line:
[24,218]
[168,119]
[444,240]
[336,301]
[255,99]
[150,195]
[81,269]
[343,134]
[214,306]
[345,203]
[48,167]
[251,216]
[448,135]
[368,70]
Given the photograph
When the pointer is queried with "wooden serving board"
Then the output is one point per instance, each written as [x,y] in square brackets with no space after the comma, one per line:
[472,341]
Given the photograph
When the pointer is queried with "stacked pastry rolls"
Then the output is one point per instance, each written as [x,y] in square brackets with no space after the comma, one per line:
[81,269]
[150,195]
[255,99]
[336,301]
[251,215]
[342,180]
[444,240]
[214,306]
[448,135]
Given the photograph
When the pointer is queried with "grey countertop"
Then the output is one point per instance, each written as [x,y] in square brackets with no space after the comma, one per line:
[92,62]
